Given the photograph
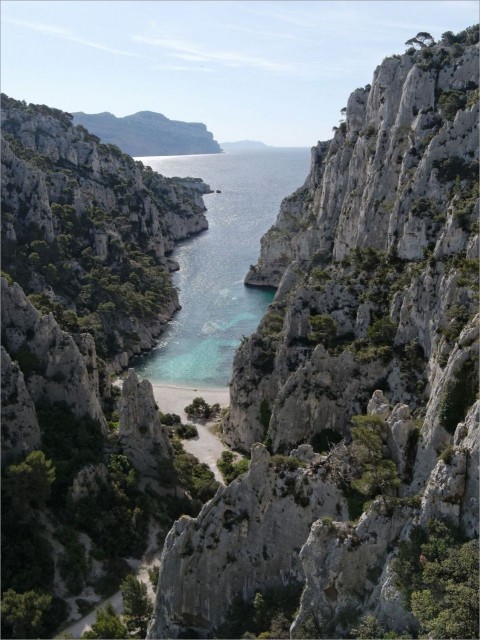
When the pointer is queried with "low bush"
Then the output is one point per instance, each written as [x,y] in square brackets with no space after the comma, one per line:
[186,431]
[436,571]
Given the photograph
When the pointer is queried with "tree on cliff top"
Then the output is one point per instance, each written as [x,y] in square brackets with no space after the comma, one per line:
[422,39]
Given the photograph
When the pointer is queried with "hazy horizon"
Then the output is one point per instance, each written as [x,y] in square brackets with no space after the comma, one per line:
[278,72]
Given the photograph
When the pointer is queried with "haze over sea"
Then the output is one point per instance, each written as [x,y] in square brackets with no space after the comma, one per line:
[198,346]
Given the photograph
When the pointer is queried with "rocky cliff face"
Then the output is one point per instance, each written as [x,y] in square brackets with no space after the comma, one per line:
[54,370]
[86,227]
[375,261]
[149,134]
[20,431]
[246,539]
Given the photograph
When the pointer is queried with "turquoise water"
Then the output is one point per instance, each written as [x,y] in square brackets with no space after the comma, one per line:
[198,346]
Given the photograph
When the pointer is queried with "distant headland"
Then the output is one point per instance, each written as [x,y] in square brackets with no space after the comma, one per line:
[147,133]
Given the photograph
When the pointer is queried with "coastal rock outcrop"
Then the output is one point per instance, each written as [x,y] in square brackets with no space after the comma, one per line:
[142,436]
[342,564]
[375,262]
[86,227]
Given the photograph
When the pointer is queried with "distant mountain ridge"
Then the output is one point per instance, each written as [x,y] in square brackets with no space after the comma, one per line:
[147,133]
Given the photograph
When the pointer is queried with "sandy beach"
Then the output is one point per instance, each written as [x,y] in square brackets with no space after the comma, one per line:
[171,399]
[207,447]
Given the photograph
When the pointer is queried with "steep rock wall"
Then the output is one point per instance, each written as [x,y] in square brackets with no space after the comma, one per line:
[142,435]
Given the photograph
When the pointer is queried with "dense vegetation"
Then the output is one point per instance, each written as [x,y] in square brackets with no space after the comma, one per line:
[437,573]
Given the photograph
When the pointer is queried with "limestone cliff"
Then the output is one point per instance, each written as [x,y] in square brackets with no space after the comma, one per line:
[20,430]
[54,370]
[142,435]
[374,258]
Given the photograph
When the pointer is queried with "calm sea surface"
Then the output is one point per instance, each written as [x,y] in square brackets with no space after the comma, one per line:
[198,346]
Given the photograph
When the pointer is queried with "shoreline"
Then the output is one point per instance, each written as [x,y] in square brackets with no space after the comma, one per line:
[174,399]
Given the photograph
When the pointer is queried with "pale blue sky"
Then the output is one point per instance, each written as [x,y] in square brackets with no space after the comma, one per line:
[275,71]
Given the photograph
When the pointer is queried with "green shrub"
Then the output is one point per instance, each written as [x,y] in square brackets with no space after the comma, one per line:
[153,575]
[450,102]
[200,409]
[268,614]
[382,331]
[459,395]
[186,431]
[116,570]
[324,329]
[170,419]
[368,628]
[73,564]
[437,573]
[447,454]
[265,413]
[196,477]
[231,468]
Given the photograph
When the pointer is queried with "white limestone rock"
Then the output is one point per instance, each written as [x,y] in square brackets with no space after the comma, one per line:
[89,481]
[340,562]
[140,431]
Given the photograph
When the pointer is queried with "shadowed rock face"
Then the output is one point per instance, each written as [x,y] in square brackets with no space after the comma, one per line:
[20,430]
[144,439]
[149,134]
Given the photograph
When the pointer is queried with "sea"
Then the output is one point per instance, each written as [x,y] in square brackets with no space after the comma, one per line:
[197,348]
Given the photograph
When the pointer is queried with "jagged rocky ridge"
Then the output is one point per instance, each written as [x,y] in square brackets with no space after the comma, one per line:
[147,133]
[375,261]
